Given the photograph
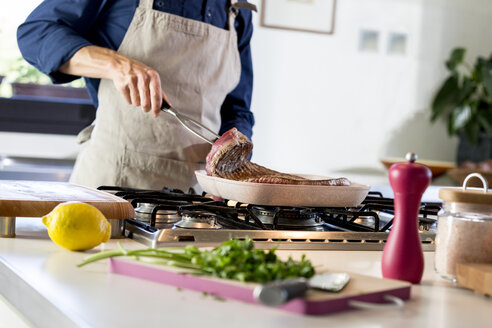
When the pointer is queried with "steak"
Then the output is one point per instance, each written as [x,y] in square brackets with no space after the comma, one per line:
[229,153]
[228,159]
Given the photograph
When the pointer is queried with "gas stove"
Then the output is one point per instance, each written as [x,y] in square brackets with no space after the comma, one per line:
[171,217]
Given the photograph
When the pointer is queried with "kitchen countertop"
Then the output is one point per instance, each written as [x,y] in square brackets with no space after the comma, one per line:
[42,281]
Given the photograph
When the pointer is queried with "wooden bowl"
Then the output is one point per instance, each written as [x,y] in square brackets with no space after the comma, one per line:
[459,175]
[437,168]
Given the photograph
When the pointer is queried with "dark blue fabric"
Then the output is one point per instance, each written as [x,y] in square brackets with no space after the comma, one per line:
[57,29]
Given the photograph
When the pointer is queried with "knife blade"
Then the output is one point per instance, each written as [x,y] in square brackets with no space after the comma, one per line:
[280,292]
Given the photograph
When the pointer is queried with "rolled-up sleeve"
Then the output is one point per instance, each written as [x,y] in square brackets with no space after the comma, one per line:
[235,111]
[54,32]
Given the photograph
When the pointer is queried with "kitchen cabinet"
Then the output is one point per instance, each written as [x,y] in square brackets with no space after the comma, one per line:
[45,115]
[36,169]
[38,136]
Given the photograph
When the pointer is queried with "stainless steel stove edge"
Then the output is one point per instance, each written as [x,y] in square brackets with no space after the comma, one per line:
[283,239]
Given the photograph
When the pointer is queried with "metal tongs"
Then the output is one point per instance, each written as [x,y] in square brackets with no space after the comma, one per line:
[189,123]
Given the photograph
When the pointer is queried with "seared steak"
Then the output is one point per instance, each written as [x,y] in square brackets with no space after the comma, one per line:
[228,154]
[228,159]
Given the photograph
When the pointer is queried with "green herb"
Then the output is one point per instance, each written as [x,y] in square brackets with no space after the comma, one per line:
[234,259]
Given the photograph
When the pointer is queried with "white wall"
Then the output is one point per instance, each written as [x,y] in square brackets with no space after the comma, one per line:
[322,106]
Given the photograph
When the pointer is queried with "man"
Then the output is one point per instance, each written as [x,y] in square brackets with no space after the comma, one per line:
[194,54]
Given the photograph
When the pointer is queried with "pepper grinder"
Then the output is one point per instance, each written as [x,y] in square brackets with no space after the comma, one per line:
[403,258]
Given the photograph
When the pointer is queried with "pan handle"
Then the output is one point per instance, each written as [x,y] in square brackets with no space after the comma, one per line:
[396,303]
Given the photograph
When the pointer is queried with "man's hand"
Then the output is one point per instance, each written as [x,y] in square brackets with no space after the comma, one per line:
[139,84]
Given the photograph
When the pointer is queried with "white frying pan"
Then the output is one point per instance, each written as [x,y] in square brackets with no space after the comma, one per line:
[283,195]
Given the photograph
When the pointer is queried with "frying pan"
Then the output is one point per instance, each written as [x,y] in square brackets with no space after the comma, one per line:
[269,194]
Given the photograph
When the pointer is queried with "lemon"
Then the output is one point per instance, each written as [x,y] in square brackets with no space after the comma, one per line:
[77,226]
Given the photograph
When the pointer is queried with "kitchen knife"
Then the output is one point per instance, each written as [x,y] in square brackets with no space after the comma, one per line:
[279,292]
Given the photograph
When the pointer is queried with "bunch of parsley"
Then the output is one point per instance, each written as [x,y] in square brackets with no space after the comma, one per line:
[233,259]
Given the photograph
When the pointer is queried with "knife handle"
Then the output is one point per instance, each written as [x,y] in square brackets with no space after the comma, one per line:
[280,292]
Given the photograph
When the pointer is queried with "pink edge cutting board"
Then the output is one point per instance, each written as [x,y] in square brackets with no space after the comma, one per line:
[20,198]
[360,288]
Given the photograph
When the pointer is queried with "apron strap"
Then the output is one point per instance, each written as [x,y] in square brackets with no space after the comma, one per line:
[234,5]
[147,4]
[234,10]
[243,4]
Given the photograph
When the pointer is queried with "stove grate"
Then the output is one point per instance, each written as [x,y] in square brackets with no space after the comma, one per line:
[236,215]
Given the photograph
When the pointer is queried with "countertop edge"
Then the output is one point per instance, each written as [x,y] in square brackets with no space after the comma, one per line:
[38,310]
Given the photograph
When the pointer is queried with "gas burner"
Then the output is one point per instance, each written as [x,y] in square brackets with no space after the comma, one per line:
[163,216]
[191,219]
[427,224]
[287,218]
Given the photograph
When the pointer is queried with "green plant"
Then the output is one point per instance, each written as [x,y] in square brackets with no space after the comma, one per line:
[22,72]
[465,97]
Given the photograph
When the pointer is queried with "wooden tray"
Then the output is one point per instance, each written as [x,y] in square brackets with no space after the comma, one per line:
[283,195]
[38,198]
[475,276]
[360,288]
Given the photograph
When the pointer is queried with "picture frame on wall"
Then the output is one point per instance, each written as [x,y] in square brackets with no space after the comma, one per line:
[316,16]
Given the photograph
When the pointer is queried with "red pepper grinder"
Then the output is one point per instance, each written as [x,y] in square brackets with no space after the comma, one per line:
[402,256]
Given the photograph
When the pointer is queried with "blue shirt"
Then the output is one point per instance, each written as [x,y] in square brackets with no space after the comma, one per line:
[57,29]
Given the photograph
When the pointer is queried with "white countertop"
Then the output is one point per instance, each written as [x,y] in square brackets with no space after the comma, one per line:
[42,281]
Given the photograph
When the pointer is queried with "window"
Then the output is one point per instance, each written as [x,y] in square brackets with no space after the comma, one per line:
[16,73]
[10,18]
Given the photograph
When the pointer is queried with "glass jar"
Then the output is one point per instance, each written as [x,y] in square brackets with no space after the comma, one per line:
[464,227]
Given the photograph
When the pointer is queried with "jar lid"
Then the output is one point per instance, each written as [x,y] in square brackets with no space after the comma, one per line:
[464,195]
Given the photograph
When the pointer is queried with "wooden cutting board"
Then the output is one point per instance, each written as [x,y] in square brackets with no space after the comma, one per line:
[476,276]
[38,198]
[359,288]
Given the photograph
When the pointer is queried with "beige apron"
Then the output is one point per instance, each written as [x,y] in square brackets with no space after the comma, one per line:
[199,65]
